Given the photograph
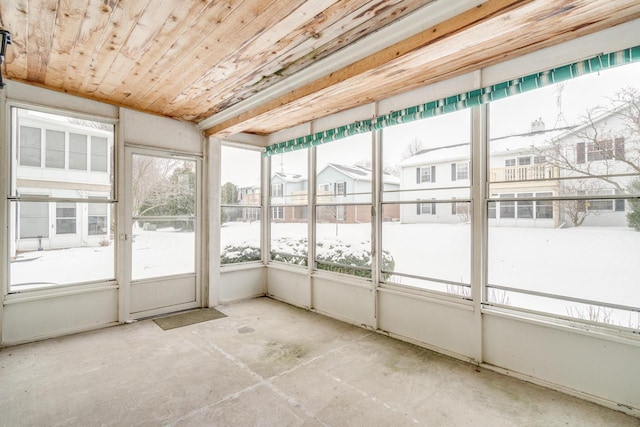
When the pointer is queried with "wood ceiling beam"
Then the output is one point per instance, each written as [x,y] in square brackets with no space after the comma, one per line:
[472,17]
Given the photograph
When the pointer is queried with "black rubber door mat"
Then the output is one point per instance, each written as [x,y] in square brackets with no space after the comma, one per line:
[188,318]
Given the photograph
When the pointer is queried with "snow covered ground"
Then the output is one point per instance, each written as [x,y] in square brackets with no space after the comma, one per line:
[593,263]
[154,253]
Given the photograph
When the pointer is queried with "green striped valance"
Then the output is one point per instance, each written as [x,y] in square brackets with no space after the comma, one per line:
[463,100]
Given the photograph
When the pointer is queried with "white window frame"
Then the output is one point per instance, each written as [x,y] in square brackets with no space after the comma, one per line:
[601,202]
[465,171]
[277,189]
[277,212]
[425,174]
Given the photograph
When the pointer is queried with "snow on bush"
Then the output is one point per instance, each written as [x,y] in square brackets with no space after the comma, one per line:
[240,252]
[331,255]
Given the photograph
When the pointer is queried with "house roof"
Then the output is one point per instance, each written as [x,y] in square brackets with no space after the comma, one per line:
[289,177]
[516,144]
[263,66]
[362,173]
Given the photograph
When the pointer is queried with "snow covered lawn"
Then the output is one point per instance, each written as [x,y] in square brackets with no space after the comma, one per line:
[593,263]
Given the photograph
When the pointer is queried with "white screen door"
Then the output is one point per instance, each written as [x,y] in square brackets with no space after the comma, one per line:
[163,241]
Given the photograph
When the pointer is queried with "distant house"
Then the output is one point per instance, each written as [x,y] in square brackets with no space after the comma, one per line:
[289,197]
[249,195]
[60,160]
[539,163]
[346,188]
[348,185]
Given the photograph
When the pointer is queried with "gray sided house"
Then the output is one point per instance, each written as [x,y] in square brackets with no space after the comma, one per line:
[351,187]
[289,197]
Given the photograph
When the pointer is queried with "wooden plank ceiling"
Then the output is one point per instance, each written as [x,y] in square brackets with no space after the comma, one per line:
[191,59]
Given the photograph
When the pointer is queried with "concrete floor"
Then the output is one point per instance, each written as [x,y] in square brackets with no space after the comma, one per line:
[266,364]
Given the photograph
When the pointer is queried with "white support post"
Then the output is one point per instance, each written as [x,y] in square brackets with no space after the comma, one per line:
[5,139]
[311,218]
[377,186]
[478,227]
[123,223]
[214,165]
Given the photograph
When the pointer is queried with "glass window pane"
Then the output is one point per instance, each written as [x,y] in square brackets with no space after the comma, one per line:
[344,171]
[241,198]
[342,244]
[66,218]
[51,179]
[568,262]
[289,210]
[163,248]
[97,219]
[43,256]
[54,149]
[30,154]
[289,178]
[163,186]
[99,154]
[240,176]
[430,246]
[34,220]
[239,234]
[428,240]
[77,151]
[289,229]
[573,140]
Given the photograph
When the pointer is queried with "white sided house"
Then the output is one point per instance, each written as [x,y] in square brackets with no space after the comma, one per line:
[538,164]
[66,160]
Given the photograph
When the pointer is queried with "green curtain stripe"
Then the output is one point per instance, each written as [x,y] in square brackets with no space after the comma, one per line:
[464,100]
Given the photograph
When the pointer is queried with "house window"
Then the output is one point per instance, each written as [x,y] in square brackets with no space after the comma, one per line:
[341,213]
[42,215]
[324,188]
[509,163]
[507,209]
[34,220]
[544,208]
[99,154]
[426,174]
[277,212]
[30,144]
[491,210]
[341,188]
[77,151]
[65,218]
[539,159]
[276,190]
[525,207]
[600,150]
[524,160]
[600,205]
[97,223]
[459,171]
[55,152]
[426,209]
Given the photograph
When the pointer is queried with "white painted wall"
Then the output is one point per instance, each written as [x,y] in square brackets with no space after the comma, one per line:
[289,284]
[160,132]
[581,363]
[237,283]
